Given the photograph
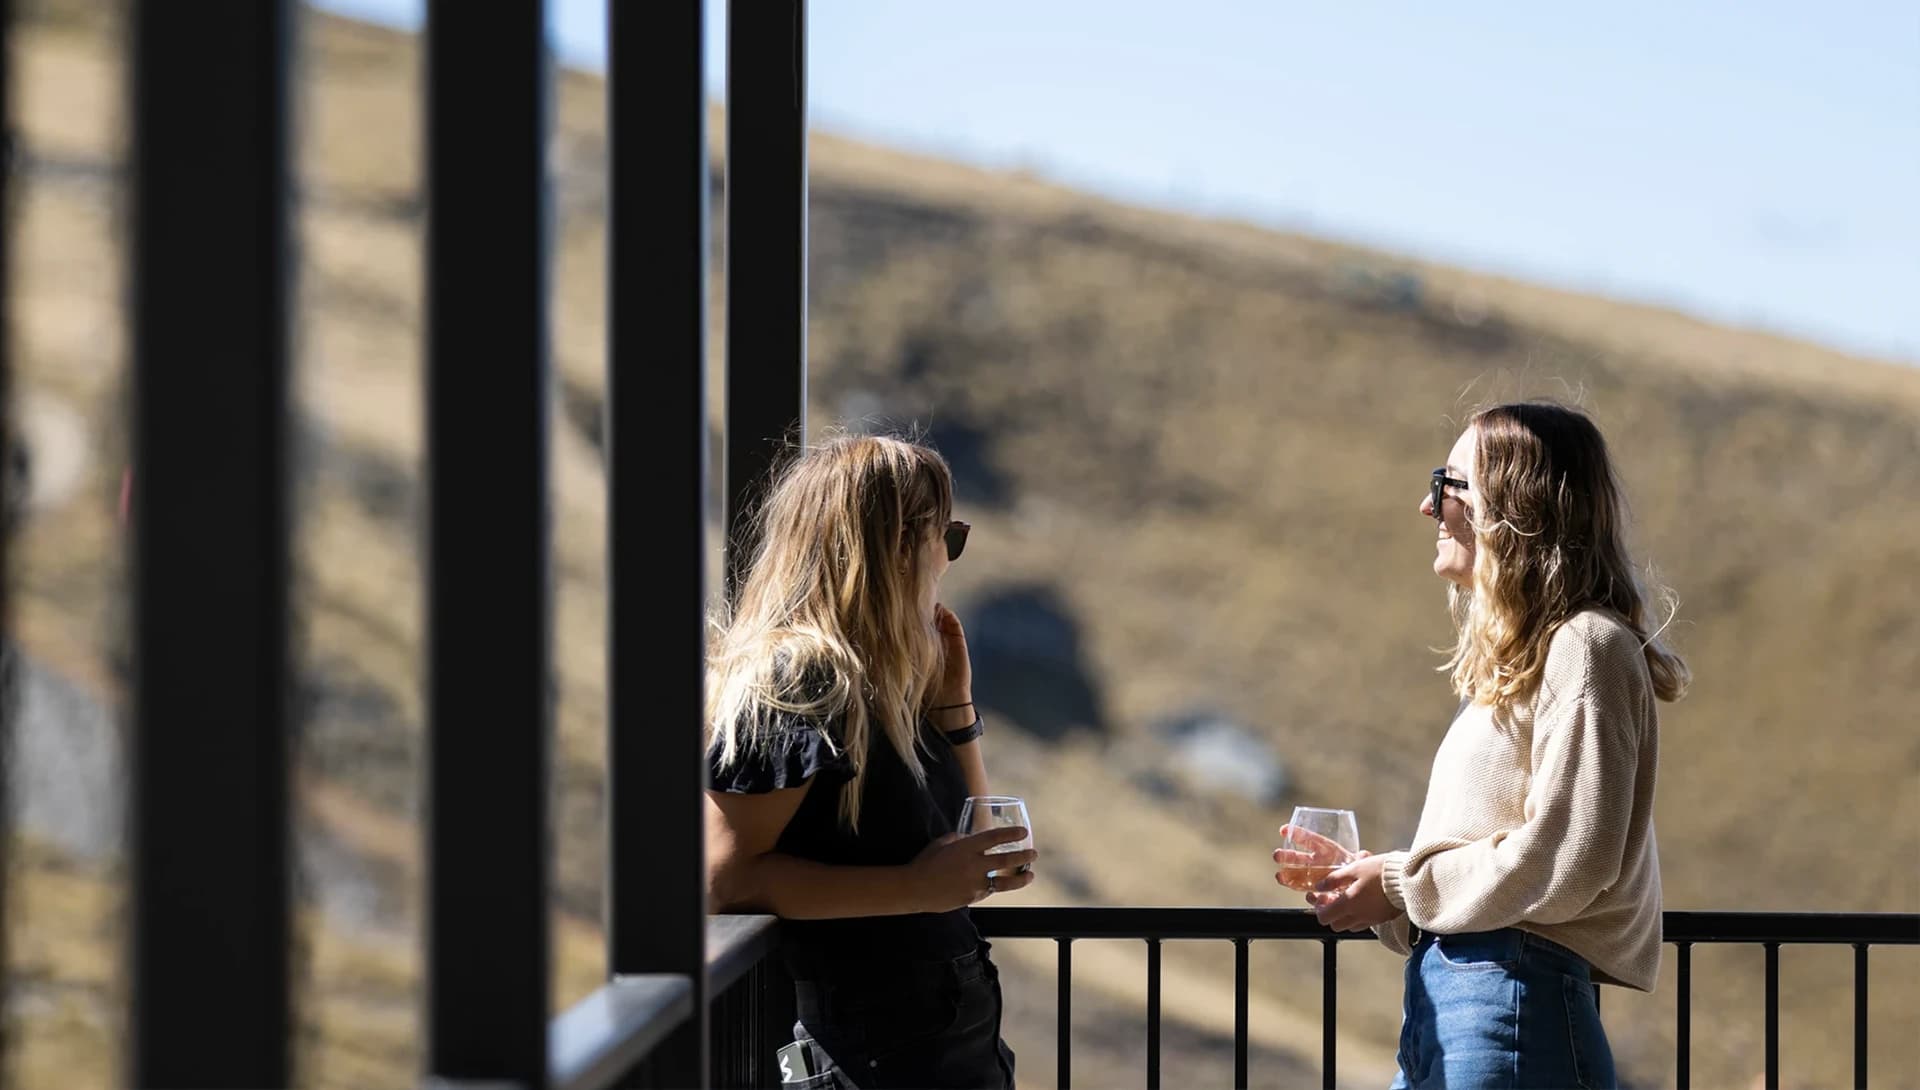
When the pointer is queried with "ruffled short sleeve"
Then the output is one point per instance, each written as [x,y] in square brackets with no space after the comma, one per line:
[795,751]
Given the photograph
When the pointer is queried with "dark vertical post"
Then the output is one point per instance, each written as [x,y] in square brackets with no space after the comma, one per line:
[1153,1014]
[208,749]
[656,505]
[1329,1008]
[9,691]
[766,194]
[1063,1013]
[1860,1015]
[1773,1016]
[488,627]
[1683,1019]
[1240,1014]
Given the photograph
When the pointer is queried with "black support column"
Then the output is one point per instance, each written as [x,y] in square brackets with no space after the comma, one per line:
[656,509]
[766,252]
[208,748]
[488,637]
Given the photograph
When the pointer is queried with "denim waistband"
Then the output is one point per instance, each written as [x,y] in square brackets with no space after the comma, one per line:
[1522,942]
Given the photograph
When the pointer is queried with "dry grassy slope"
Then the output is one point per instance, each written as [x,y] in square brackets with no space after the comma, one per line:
[1207,440]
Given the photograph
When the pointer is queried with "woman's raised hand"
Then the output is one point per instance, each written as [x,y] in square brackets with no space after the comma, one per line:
[952,871]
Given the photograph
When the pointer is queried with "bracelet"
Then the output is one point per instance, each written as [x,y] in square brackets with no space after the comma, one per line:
[967,733]
[952,707]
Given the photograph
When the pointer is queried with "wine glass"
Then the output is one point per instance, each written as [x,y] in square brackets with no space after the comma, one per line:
[1327,839]
[983,812]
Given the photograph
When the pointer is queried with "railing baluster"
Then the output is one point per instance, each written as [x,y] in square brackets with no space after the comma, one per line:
[1153,1014]
[1064,1012]
[1683,1019]
[208,287]
[1240,1014]
[489,625]
[1773,1016]
[1860,1015]
[1329,1005]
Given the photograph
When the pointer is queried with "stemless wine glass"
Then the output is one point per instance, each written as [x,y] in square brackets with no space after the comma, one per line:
[1331,838]
[983,812]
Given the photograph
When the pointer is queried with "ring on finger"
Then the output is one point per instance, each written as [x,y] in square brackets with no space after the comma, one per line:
[990,886]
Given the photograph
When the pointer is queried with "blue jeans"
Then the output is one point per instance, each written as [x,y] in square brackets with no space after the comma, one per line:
[1500,1009]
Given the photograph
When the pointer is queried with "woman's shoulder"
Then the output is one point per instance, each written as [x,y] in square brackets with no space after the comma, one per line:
[1595,645]
[1597,627]
[803,703]
[785,748]
[799,695]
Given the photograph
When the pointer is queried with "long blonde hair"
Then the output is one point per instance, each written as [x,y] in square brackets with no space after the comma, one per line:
[1548,518]
[828,624]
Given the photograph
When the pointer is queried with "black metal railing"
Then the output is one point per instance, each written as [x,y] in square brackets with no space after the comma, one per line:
[753,1001]
[1243,926]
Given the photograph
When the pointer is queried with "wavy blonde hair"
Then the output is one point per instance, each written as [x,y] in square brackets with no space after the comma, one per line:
[1548,517]
[828,624]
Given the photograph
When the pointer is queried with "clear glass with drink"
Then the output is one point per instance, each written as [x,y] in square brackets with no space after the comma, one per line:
[983,812]
[1316,843]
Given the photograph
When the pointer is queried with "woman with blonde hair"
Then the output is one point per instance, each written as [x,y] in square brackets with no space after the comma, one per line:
[1533,873]
[842,741]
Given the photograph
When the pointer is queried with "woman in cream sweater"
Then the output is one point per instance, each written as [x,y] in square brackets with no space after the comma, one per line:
[1533,873]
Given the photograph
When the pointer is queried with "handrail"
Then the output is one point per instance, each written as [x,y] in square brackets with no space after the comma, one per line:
[1154,923]
[1798,928]
[599,1039]
[735,944]
[1877,928]
[595,1042]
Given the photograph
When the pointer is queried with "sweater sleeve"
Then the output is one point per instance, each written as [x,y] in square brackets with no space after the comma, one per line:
[1394,935]
[1589,722]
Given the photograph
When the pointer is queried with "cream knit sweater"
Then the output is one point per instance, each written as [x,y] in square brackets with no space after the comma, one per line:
[1540,815]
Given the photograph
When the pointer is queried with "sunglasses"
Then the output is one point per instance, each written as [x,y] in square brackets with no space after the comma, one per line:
[956,539]
[1441,482]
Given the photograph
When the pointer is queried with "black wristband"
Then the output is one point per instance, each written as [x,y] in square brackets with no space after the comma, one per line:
[951,707]
[967,733]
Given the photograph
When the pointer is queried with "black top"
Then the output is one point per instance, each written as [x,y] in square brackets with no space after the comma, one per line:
[898,818]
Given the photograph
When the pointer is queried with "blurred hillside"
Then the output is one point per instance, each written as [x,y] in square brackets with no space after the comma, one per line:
[1191,451]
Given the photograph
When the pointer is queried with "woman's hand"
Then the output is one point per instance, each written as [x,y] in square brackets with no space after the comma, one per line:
[1353,898]
[1310,849]
[956,680]
[952,871]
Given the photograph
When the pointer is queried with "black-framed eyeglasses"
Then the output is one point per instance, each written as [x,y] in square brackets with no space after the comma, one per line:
[957,539]
[1442,482]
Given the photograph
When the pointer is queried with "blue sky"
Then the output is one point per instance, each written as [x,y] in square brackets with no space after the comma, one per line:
[1755,163]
